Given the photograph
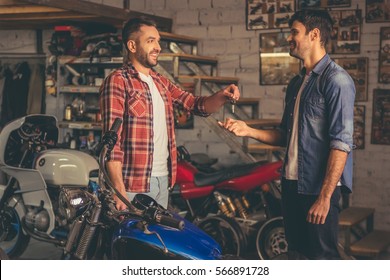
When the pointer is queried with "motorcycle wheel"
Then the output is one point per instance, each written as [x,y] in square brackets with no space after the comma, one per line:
[271,239]
[226,232]
[13,241]
[3,255]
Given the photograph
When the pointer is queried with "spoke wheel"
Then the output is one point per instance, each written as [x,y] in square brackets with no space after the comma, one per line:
[12,239]
[271,239]
[227,232]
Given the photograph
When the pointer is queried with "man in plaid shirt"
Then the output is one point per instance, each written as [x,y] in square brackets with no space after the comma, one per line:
[144,157]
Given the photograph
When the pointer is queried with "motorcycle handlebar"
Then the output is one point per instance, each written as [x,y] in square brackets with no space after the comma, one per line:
[110,137]
[169,221]
[115,126]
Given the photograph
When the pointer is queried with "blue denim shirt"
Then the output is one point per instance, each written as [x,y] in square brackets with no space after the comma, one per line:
[325,122]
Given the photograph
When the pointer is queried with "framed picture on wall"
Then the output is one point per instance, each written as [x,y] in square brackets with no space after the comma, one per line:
[377,11]
[277,67]
[358,126]
[357,68]
[268,14]
[380,128]
[345,37]
[384,56]
[310,4]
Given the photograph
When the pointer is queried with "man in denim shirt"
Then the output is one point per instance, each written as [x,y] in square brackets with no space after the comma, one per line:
[316,128]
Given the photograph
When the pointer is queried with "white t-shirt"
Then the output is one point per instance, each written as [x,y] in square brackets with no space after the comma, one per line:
[292,156]
[160,132]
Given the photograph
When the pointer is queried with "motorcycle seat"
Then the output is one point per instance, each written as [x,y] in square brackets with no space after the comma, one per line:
[204,179]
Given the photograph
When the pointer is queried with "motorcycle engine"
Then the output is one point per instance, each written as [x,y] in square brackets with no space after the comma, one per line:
[71,202]
[37,218]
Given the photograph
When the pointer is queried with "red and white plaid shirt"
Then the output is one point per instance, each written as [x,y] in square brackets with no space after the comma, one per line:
[124,95]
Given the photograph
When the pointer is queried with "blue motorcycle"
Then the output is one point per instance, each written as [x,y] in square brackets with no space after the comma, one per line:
[59,196]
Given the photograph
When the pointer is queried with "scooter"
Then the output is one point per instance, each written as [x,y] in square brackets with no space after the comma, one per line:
[233,205]
[60,196]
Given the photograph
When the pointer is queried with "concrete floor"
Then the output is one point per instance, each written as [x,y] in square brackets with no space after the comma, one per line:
[45,251]
[38,250]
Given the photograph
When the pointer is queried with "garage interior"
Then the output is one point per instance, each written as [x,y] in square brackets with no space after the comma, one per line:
[206,45]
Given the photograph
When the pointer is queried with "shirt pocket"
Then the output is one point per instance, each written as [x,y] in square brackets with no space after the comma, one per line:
[137,105]
[315,107]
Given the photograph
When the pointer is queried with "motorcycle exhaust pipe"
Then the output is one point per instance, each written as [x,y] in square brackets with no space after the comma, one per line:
[40,236]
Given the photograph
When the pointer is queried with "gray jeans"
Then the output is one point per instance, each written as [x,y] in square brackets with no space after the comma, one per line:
[158,190]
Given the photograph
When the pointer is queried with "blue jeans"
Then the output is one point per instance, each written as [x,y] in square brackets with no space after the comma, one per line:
[158,191]
[311,240]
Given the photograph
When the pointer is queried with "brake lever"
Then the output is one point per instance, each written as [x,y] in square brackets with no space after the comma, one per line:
[145,229]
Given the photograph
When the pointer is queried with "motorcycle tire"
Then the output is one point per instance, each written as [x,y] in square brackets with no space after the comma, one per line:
[13,241]
[271,239]
[226,232]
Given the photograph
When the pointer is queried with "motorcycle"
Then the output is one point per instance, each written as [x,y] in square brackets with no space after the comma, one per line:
[65,197]
[233,205]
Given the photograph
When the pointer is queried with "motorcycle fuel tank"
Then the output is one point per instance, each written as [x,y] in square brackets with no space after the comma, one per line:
[65,167]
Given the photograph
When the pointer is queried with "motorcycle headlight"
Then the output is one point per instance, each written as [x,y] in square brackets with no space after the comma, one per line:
[71,202]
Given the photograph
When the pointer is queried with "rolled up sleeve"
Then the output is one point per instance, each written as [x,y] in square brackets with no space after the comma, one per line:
[341,100]
[112,104]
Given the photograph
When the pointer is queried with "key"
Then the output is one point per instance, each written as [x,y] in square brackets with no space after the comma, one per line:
[233,102]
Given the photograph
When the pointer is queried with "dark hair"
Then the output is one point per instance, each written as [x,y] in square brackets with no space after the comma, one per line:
[133,25]
[315,19]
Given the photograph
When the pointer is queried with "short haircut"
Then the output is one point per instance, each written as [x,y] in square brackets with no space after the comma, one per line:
[312,19]
[133,25]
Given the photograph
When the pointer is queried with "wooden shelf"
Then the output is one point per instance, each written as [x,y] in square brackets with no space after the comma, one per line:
[79,89]
[372,244]
[261,148]
[263,122]
[248,101]
[189,58]
[354,215]
[209,79]
[80,125]
[166,36]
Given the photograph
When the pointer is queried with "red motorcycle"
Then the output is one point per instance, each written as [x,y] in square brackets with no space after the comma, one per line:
[236,206]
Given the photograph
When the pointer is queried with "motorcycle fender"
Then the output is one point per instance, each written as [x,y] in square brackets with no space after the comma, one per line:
[2,190]
[32,190]
[15,202]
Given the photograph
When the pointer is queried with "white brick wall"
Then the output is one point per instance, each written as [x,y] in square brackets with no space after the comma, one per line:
[220,26]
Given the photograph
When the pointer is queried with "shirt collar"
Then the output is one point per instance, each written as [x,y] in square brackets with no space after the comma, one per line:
[134,73]
[320,66]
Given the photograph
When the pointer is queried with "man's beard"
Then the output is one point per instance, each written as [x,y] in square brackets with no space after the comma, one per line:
[143,59]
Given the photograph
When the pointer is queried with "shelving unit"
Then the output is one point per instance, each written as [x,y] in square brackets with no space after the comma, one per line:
[78,83]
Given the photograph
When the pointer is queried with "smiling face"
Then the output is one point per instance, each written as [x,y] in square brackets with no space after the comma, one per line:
[144,48]
[300,42]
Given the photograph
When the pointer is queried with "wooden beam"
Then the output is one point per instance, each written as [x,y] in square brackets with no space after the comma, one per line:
[27,9]
[101,10]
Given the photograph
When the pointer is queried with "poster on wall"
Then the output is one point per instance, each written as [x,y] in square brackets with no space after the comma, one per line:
[384,56]
[380,128]
[357,68]
[277,67]
[377,11]
[268,14]
[310,4]
[358,126]
[345,37]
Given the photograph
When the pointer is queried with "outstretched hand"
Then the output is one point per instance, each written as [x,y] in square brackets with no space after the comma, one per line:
[239,128]
[231,93]
[214,102]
